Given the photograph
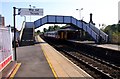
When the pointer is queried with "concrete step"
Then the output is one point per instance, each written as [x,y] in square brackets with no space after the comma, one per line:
[8,70]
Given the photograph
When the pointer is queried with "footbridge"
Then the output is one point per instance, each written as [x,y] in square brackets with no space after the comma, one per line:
[95,33]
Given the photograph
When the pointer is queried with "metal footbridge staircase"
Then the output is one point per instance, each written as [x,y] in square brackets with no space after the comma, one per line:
[27,34]
[95,33]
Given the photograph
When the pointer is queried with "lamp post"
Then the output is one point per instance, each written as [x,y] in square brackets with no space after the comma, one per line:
[80,12]
[31,8]
[81,32]
[30,15]
[14,14]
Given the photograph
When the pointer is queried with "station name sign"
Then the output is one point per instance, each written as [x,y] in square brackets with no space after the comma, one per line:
[30,11]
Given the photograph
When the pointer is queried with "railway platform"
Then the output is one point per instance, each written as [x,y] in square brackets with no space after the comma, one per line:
[60,65]
[33,63]
[43,61]
[92,43]
[109,46]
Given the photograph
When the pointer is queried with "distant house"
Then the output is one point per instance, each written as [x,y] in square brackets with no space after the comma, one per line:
[2,21]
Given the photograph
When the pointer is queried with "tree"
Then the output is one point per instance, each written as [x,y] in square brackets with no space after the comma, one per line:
[65,26]
[38,32]
[45,30]
[56,27]
[113,31]
[50,28]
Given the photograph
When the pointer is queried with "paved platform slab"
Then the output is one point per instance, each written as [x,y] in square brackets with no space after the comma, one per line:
[61,65]
[33,63]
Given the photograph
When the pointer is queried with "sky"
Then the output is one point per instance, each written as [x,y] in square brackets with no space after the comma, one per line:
[104,11]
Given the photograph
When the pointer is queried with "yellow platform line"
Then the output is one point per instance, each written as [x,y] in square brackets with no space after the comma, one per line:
[50,65]
[54,73]
[15,71]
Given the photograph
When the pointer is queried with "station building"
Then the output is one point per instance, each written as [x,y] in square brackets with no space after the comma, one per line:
[2,21]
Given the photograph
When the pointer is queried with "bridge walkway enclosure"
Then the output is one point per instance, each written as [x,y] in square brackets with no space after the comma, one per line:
[27,34]
[95,33]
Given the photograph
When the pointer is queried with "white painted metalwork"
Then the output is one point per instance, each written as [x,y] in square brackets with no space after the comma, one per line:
[6,51]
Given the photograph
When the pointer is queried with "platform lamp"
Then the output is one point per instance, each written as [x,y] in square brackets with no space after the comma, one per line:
[80,12]
[14,14]
[30,15]
[80,19]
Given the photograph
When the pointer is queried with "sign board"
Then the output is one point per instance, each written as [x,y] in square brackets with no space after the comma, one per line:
[30,11]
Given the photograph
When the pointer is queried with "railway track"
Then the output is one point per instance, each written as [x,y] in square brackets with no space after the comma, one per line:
[102,70]
[95,67]
[105,55]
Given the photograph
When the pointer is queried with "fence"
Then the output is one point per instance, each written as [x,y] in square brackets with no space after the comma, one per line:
[6,52]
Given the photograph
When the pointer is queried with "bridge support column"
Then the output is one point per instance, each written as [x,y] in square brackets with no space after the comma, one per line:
[82,34]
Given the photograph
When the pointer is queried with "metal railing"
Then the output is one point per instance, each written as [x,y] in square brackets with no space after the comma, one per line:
[99,32]
[21,32]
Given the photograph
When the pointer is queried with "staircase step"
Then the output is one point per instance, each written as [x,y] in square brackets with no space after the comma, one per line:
[8,69]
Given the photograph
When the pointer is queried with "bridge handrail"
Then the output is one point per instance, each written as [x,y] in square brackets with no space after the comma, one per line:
[21,32]
[99,32]
[87,28]
[90,31]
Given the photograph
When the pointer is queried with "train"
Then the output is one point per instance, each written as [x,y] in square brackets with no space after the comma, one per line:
[62,34]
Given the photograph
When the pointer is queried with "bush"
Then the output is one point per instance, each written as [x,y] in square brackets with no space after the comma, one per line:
[114,33]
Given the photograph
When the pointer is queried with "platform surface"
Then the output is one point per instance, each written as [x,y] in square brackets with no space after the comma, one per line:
[33,63]
[61,66]
[108,46]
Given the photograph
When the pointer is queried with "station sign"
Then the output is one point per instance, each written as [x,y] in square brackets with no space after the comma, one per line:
[30,11]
